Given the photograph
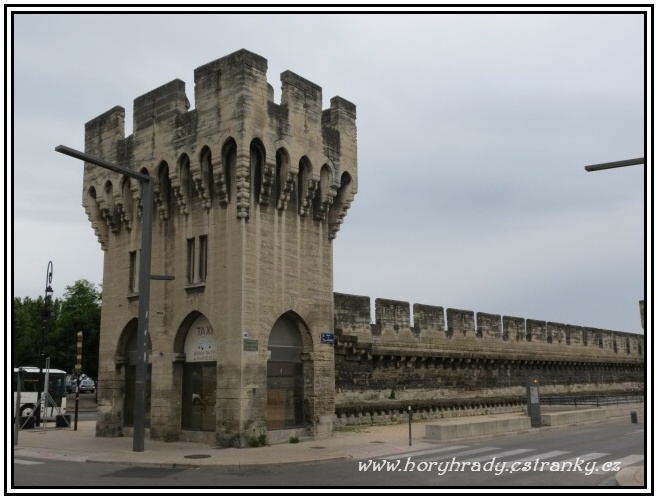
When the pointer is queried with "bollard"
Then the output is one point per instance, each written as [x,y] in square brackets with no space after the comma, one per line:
[633,417]
[409,425]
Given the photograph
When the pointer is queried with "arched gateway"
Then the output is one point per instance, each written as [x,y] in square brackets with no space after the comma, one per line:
[128,354]
[199,377]
[285,374]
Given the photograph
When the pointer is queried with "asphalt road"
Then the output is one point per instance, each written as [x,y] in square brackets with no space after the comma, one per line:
[86,402]
[86,406]
[593,451]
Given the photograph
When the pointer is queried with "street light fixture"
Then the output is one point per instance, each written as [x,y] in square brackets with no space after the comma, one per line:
[614,164]
[147,183]
[46,318]
[617,164]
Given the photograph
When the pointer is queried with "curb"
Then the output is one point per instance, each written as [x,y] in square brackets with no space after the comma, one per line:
[630,477]
[250,465]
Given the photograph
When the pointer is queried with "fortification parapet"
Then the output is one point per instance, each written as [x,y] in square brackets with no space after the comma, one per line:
[160,107]
[303,99]
[104,135]
[479,357]
[237,148]
[341,113]
[514,328]
[460,322]
[489,325]
[428,318]
[556,332]
[352,312]
[237,82]
[104,132]
[391,315]
[574,335]
[492,336]
[535,330]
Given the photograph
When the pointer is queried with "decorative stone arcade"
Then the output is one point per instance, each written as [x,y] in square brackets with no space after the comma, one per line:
[248,199]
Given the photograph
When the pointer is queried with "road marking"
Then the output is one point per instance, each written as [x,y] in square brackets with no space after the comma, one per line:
[542,456]
[500,454]
[583,458]
[26,462]
[619,464]
[422,453]
[487,453]
[630,459]
[440,455]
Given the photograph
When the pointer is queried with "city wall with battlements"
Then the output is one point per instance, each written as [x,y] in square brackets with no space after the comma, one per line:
[248,197]
[458,362]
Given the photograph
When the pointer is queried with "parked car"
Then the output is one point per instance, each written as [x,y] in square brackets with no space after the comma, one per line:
[86,385]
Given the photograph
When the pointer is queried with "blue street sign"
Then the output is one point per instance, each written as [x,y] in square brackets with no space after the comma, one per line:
[327,338]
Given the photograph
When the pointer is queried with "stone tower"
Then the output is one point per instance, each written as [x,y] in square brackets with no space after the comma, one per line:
[249,195]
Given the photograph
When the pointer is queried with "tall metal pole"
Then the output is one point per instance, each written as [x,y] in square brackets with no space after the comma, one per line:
[18,418]
[143,317]
[617,164]
[147,183]
[409,410]
[46,317]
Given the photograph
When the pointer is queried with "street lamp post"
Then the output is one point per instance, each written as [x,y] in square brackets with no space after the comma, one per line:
[617,164]
[46,319]
[614,164]
[147,183]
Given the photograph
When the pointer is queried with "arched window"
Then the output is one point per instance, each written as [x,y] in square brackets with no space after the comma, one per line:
[126,209]
[257,159]
[283,181]
[305,186]
[325,195]
[186,181]
[207,174]
[163,191]
[223,178]
[108,208]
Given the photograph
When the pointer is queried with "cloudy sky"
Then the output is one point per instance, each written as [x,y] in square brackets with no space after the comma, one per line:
[473,133]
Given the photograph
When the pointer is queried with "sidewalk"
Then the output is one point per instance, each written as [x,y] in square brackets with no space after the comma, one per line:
[83,446]
[357,443]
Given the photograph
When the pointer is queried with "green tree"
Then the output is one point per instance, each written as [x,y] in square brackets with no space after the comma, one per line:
[28,329]
[80,310]
[51,327]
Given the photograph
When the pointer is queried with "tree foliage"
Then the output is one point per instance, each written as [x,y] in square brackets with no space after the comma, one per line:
[56,324]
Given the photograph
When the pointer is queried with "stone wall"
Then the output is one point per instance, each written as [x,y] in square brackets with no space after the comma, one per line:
[463,361]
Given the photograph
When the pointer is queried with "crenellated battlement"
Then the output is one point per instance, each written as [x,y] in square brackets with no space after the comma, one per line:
[447,357]
[236,150]
[436,332]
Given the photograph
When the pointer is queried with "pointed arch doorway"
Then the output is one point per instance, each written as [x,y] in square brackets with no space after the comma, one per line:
[128,353]
[285,374]
[199,392]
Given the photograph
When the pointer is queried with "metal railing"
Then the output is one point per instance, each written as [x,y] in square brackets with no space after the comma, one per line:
[591,400]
